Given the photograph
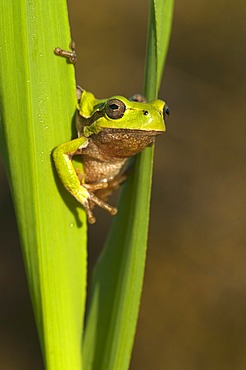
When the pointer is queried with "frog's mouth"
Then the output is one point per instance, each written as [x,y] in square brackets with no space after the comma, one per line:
[124,143]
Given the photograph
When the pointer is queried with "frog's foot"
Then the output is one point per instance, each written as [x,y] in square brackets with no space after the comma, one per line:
[102,204]
[91,218]
[70,55]
[88,199]
[103,192]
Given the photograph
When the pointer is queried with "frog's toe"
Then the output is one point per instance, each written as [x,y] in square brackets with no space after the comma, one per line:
[96,186]
[102,204]
[91,218]
[113,211]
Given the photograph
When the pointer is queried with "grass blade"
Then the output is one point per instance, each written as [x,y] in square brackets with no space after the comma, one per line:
[163,22]
[37,97]
[118,276]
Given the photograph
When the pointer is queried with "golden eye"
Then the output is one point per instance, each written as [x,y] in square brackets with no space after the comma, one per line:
[115,108]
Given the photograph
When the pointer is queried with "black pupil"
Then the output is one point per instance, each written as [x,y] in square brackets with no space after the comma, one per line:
[113,106]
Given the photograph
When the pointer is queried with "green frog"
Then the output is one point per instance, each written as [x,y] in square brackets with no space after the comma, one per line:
[109,132]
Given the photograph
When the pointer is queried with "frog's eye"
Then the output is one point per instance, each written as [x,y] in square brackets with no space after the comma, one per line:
[115,108]
[166,112]
[139,98]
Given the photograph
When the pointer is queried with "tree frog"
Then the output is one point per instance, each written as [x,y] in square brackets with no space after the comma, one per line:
[109,132]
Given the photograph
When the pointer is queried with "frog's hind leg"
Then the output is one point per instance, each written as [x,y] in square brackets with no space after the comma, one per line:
[112,185]
[117,181]
[96,186]
[80,175]
[100,191]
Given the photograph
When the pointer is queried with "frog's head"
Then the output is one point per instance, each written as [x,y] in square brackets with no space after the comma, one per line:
[120,113]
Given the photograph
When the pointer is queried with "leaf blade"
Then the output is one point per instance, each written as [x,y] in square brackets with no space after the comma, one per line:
[35,114]
[118,276]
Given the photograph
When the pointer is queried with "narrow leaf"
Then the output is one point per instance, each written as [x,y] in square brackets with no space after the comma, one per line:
[163,21]
[38,100]
[118,276]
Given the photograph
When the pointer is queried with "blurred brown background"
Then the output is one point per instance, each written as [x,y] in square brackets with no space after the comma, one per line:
[193,312]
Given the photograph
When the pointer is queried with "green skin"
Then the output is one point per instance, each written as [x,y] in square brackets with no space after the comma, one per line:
[109,132]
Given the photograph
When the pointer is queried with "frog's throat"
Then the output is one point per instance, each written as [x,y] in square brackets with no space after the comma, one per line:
[121,143]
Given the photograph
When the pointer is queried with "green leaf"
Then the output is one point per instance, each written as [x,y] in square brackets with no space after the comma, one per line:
[163,20]
[38,101]
[118,276]
[159,29]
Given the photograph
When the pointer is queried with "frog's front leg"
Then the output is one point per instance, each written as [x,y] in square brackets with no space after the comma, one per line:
[63,161]
[72,178]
